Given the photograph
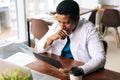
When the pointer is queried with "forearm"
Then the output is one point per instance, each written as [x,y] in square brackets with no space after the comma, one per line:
[48,43]
[93,65]
[50,40]
[41,44]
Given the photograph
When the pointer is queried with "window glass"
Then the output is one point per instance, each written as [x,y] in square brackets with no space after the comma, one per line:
[8,21]
[12,21]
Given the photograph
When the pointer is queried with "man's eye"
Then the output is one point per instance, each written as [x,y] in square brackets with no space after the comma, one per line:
[66,22]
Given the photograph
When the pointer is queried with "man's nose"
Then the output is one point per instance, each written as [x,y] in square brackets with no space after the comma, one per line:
[62,25]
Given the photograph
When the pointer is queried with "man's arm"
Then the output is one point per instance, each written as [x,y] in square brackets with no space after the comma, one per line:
[59,35]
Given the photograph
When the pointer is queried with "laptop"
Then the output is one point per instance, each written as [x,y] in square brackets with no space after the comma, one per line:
[8,67]
[39,56]
[48,60]
[19,60]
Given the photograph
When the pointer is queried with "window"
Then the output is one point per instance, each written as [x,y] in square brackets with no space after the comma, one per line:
[8,21]
[12,22]
[34,7]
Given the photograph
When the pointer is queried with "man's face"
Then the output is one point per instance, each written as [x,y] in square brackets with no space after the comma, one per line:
[66,23]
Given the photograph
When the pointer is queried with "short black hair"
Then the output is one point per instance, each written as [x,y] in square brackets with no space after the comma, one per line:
[68,7]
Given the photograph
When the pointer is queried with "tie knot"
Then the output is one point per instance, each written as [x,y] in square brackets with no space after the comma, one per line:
[68,39]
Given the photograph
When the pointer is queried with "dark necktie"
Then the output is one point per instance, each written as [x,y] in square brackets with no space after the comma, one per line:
[66,50]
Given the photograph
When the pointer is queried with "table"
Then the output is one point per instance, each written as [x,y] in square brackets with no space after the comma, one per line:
[107,7]
[85,11]
[28,20]
[101,74]
[43,67]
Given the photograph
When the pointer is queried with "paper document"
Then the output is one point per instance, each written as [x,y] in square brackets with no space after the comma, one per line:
[21,59]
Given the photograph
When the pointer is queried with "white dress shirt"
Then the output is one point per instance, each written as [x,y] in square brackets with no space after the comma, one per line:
[86,45]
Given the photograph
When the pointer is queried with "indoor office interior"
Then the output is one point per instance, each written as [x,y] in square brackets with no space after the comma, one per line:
[15,17]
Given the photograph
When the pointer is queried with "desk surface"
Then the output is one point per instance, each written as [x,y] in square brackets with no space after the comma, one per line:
[44,67]
[102,74]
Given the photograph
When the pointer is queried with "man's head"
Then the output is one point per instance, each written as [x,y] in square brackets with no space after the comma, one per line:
[68,7]
[68,15]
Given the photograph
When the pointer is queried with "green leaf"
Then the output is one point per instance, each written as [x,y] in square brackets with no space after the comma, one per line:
[16,75]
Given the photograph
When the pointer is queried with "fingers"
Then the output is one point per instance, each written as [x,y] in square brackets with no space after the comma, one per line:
[62,34]
[59,35]
[64,71]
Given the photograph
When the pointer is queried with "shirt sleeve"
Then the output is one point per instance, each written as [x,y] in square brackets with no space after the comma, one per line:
[41,43]
[96,51]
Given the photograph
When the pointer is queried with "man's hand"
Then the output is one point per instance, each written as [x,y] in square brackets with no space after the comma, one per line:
[64,71]
[59,35]
[62,34]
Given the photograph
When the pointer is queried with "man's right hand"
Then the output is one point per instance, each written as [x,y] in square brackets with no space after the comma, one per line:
[59,35]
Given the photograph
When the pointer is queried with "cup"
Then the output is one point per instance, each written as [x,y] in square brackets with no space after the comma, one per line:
[73,77]
[76,74]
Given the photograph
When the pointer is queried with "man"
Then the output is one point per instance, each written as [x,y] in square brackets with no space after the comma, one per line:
[75,38]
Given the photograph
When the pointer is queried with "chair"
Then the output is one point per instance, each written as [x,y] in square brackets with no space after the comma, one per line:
[38,28]
[111,18]
[92,17]
[105,46]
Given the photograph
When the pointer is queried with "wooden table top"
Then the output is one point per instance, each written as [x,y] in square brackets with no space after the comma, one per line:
[85,11]
[103,74]
[43,67]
